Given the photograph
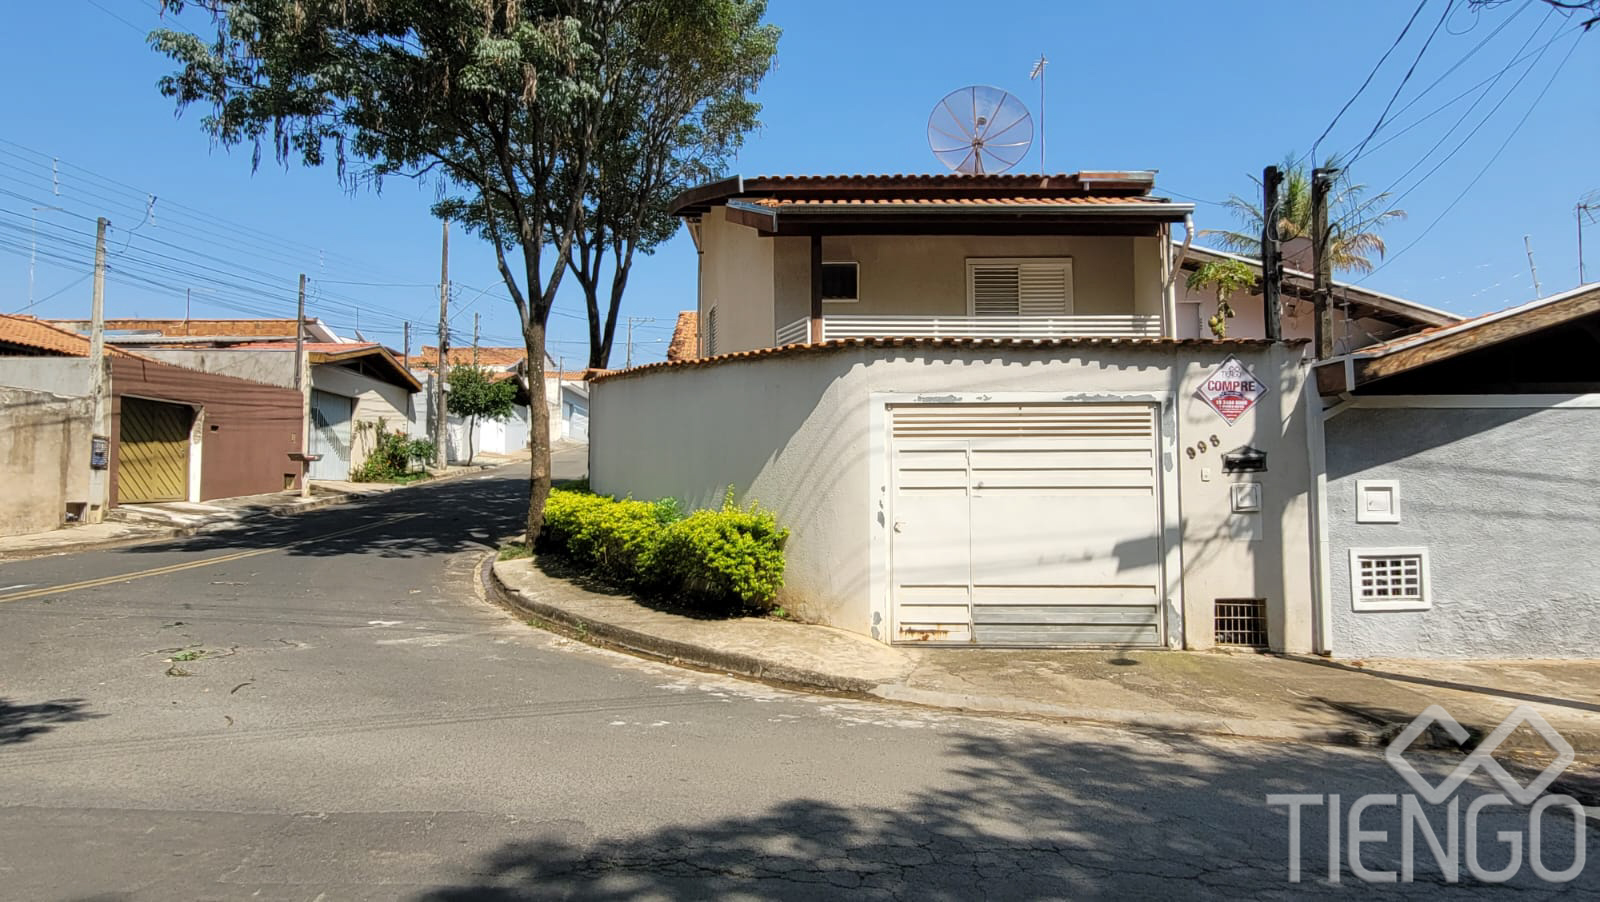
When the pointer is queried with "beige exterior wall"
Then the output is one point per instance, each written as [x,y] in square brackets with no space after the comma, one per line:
[795,433]
[736,270]
[759,284]
[44,458]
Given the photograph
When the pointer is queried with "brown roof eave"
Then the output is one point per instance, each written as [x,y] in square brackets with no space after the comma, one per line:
[838,344]
[398,375]
[696,201]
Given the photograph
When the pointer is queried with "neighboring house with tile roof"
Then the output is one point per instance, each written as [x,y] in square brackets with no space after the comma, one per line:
[163,432]
[566,398]
[1460,483]
[1361,316]
[975,403]
[354,387]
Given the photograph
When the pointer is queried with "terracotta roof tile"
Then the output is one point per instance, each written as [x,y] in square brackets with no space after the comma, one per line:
[263,328]
[39,335]
[429,356]
[685,342]
[937,343]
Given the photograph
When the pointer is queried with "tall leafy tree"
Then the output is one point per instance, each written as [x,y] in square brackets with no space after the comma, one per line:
[501,101]
[1354,219]
[674,118]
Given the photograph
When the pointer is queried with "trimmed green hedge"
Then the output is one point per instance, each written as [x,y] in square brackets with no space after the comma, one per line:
[714,560]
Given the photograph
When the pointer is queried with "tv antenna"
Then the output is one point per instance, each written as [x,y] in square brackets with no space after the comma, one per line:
[979,130]
[1588,211]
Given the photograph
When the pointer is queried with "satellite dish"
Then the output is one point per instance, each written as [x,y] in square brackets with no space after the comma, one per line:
[980,129]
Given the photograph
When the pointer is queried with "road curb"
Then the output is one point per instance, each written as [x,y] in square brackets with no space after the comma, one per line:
[671,651]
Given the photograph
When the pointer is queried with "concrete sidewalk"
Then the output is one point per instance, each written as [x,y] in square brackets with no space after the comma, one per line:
[1238,694]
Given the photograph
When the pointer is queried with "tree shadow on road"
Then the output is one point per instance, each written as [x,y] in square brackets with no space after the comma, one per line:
[21,722]
[1016,818]
[450,517]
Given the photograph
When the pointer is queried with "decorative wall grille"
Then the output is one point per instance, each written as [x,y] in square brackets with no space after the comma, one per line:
[1389,579]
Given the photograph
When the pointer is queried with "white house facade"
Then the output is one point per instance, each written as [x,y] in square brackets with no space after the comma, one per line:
[968,398]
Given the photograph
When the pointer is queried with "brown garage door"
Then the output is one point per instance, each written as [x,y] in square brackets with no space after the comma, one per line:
[153,451]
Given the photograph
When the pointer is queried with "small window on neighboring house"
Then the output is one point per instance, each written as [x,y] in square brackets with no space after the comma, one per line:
[839,282]
[1040,286]
[1390,579]
[710,332]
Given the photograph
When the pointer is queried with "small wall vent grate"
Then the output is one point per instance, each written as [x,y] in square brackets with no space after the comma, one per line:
[1242,622]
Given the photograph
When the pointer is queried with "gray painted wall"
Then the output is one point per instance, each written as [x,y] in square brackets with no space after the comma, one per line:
[271,367]
[1504,500]
[67,376]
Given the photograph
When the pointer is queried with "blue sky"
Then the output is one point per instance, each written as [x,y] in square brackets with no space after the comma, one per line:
[1172,86]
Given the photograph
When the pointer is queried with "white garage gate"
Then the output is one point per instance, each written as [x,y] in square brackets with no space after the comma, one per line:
[1026,525]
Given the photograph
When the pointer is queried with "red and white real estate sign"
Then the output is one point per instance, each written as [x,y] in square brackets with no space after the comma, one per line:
[1231,389]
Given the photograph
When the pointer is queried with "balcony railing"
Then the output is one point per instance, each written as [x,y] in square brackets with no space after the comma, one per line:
[1121,325]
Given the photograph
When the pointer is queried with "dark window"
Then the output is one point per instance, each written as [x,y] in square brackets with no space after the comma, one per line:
[839,281]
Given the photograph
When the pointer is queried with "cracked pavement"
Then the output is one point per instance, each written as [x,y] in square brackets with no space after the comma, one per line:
[363,725]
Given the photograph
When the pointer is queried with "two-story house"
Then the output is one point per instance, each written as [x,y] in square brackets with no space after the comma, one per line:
[974,403]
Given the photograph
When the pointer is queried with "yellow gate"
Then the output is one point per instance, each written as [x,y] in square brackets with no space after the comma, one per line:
[153,453]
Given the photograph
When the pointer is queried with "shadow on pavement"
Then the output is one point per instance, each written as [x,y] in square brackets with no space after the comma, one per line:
[1023,818]
[454,516]
[21,722]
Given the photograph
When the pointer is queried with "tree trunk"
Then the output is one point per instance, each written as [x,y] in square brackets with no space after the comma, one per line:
[472,448]
[533,335]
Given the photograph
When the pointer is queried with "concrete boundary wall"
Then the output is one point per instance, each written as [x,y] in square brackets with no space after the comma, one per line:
[44,458]
[794,433]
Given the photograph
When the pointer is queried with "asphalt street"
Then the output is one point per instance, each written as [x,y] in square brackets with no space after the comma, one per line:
[327,707]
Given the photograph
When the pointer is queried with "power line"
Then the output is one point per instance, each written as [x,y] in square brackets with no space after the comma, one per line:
[1486,166]
[1359,91]
[1349,219]
[1405,78]
[1452,101]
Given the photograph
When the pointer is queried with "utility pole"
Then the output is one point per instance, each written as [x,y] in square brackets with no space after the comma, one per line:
[302,385]
[1271,254]
[405,329]
[440,434]
[628,358]
[1527,244]
[97,362]
[475,339]
[300,336]
[1321,184]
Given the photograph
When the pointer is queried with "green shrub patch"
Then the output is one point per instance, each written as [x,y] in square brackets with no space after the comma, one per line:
[712,560]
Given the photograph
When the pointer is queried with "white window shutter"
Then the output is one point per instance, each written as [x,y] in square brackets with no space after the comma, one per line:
[1026,287]
[1045,288]
[995,289]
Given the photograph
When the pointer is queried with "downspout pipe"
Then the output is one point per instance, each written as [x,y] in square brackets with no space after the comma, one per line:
[1169,299]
